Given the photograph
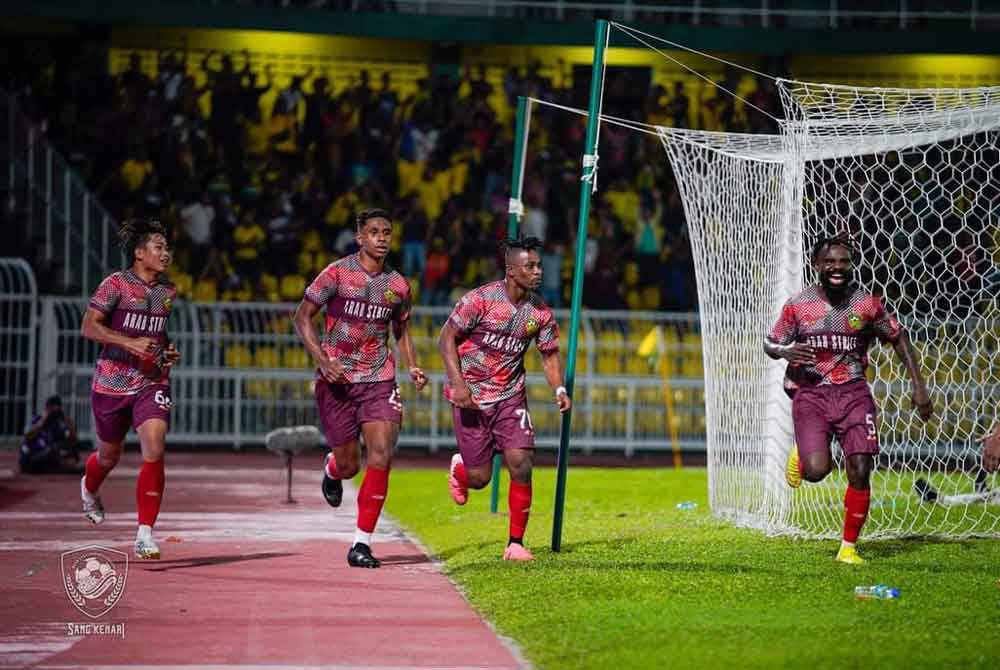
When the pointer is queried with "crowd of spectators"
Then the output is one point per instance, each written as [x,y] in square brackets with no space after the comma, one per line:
[261,199]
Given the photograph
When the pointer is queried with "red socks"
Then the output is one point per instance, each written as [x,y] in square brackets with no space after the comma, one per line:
[371,497]
[95,473]
[519,502]
[149,492]
[855,512]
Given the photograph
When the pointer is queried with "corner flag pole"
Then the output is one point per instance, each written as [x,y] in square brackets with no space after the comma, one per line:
[588,184]
[515,210]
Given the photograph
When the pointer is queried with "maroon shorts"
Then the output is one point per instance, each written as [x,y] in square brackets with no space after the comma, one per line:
[113,414]
[503,425]
[844,411]
[344,407]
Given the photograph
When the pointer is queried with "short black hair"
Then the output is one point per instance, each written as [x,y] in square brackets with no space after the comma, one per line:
[522,244]
[136,232]
[366,214]
[837,240]
[54,400]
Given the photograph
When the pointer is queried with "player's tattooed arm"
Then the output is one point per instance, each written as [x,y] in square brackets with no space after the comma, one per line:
[460,393]
[93,329]
[332,370]
[409,356]
[991,450]
[552,367]
[908,357]
[796,353]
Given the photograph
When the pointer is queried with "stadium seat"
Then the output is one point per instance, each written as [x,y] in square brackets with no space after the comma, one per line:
[266,357]
[206,290]
[184,283]
[237,356]
[292,288]
[295,357]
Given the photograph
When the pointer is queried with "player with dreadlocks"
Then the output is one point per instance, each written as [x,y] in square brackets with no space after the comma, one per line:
[483,345]
[127,316]
[824,333]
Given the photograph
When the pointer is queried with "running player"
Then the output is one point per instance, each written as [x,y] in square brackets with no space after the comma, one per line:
[824,333]
[127,316]
[356,391]
[483,345]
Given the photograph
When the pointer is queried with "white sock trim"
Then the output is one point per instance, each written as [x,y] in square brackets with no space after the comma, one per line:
[84,493]
[144,532]
[362,537]
[844,544]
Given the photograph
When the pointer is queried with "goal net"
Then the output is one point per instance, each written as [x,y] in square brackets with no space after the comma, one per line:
[914,177]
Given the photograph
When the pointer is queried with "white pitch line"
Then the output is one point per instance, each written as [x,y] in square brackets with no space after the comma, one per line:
[285,525]
[26,646]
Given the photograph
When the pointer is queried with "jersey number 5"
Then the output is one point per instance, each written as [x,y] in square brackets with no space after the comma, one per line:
[870,422]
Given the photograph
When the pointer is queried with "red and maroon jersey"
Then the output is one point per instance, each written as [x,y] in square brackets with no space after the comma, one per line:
[494,336]
[135,309]
[359,308]
[840,335]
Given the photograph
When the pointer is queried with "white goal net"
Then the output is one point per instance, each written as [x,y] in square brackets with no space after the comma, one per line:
[914,177]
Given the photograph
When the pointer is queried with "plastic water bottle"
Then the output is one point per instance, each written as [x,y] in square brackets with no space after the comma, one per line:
[687,505]
[876,592]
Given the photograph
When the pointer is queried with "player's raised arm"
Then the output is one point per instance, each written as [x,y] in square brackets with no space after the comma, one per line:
[332,370]
[780,342]
[95,330]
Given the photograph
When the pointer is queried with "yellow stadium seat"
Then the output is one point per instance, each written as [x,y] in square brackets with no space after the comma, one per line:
[206,290]
[295,357]
[184,283]
[237,356]
[292,287]
[266,357]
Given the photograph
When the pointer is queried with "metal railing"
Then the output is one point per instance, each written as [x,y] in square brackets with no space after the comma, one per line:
[18,329]
[244,373]
[71,233]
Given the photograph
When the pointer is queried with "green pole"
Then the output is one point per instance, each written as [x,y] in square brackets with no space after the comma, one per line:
[589,173]
[513,222]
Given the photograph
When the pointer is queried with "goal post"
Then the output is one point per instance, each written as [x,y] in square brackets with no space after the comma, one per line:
[914,178]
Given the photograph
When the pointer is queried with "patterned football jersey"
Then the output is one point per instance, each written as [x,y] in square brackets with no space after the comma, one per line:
[135,309]
[840,335]
[495,334]
[359,308]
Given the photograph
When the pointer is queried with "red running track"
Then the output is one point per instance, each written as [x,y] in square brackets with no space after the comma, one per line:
[245,580]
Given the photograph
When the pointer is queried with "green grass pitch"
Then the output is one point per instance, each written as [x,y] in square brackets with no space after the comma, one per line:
[641,584]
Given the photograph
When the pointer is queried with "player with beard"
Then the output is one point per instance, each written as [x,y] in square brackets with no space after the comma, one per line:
[127,316]
[356,391]
[824,333]
[483,345]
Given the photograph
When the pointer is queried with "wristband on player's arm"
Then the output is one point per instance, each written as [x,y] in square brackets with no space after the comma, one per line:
[561,390]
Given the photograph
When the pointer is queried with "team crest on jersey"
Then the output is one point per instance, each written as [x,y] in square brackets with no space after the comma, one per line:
[167,303]
[855,322]
[531,327]
[390,296]
[137,303]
